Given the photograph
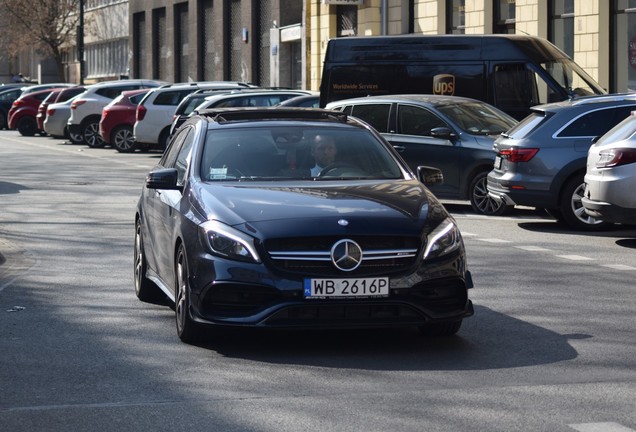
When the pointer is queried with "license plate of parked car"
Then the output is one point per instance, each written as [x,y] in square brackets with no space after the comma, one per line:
[350,287]
[497,162]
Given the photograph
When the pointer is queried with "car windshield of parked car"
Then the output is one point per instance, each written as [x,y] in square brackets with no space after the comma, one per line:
[478,118]
[294,152]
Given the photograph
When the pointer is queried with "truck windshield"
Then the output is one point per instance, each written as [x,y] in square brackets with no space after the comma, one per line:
[572,78]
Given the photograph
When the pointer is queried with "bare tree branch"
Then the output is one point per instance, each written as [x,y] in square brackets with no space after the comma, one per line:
[47,25]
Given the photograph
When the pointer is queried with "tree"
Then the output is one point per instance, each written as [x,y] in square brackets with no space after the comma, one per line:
[47,25]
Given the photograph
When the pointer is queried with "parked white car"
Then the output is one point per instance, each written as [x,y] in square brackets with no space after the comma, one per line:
[156,110]
[610,179]
[249,98]
[86,110]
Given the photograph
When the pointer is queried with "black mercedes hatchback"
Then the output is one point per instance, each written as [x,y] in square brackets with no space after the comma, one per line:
[296,218]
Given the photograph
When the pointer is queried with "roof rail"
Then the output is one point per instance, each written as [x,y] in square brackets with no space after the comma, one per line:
[616,97]
[270,113]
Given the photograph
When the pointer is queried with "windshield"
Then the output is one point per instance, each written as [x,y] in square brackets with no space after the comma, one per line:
[296,152]
[478,118]
[572,78]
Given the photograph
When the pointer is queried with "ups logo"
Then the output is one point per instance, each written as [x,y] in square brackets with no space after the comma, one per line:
[444,84]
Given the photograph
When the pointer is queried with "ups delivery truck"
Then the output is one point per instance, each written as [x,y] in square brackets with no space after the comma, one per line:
[511,72]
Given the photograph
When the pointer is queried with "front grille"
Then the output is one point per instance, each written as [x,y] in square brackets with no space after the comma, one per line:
[311,256]
[346,315]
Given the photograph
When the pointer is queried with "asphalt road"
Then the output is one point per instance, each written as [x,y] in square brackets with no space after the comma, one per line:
[551,346]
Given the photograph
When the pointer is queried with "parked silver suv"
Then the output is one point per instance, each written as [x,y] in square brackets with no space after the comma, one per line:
[541,162]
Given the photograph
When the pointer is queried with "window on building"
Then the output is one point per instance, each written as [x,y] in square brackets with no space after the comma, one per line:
[623,55]
[107,59]
[140,52]
[456,16]
[181,40]
[505,16]
[347,20]
[561,27]
[207,41]
[159,44]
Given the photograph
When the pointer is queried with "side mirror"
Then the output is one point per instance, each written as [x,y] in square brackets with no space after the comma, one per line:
[430,176]
[164,178]
[443,133]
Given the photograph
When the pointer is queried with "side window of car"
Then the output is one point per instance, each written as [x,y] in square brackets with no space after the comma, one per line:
[164,98]
[413,120]
[174,147]
[377,115]
[184,156]
[595,123]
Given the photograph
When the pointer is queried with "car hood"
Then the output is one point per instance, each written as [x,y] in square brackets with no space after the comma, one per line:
[396,207]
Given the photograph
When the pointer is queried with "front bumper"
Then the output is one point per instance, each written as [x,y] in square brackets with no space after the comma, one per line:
[435,292]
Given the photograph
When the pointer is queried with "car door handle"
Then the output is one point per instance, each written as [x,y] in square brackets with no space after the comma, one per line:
[400,149]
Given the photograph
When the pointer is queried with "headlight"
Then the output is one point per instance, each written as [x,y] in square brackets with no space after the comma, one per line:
[228,242]
[442,240]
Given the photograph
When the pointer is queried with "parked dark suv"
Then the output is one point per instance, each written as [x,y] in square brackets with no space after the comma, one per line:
[452,133]
[236,228]
[541,162]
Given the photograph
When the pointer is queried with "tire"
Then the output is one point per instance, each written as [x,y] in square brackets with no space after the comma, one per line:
[75,138]
[444,329]
[90,134]
[187,329]
[145,289]
[3,120]
[27,126]
[480,201]
[571,210]
[123,140]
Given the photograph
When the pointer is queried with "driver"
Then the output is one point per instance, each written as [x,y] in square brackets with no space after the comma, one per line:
[324,151]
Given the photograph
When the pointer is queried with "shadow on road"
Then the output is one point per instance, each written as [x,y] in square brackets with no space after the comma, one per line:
[490,340]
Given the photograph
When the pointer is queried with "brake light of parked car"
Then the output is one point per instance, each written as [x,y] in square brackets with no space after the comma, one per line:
[516,154]
[77,103]
[616,157]
[50,111]
[141,112]
[17,103]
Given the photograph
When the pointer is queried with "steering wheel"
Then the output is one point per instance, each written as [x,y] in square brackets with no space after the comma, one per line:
[339,165]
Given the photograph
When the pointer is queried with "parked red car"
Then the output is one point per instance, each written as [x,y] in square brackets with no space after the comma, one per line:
[118,119]
[61,94]
[23,111]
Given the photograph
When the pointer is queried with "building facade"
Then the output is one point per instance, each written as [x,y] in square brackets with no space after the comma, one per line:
[283,42]
[251,41]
